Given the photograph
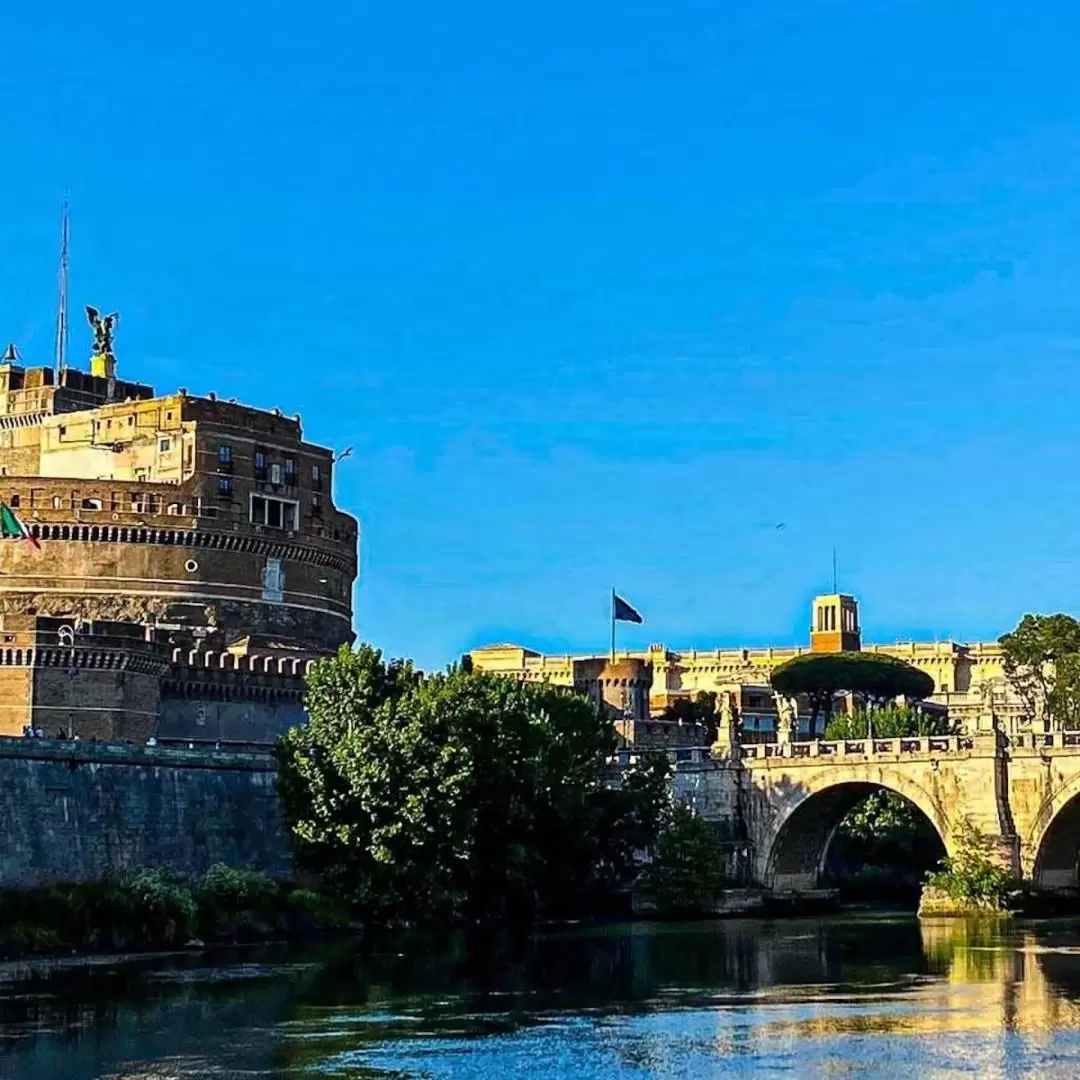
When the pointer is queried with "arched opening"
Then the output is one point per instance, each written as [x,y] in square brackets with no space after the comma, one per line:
[1059,852]
[864,839]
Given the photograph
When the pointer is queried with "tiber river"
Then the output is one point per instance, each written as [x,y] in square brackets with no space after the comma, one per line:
[840,997]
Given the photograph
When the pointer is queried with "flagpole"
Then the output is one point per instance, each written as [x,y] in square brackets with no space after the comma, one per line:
[613,626]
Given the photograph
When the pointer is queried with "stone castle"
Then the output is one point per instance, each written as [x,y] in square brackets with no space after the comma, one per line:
[187,562]
[639,686]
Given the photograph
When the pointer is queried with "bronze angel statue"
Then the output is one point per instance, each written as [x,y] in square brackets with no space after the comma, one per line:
[103,326]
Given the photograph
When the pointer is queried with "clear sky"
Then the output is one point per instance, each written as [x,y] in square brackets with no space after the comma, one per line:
[600,293]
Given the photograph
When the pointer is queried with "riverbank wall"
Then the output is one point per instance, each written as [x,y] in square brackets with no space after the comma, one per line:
[77,811]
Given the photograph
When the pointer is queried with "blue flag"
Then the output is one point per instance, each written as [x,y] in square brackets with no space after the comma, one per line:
[621,611]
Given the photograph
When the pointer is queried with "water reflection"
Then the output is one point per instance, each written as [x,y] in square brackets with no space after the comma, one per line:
[822,997]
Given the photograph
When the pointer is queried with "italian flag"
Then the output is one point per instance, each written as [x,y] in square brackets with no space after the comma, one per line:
[12,527]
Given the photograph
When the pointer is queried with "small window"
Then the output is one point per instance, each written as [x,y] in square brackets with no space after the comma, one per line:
[224,454]
[168,416]
[316,478]
[91,504]
[57,502]
[275,474]
[164,445]
[224,485]
[131,421]
[15,501]
[63,430]
[260,460]
[316,504]
[290,471]
[174,509]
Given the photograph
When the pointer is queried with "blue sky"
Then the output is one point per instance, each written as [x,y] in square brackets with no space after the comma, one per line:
[599,292]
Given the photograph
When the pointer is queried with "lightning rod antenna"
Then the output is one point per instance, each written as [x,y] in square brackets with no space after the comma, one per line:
[62,306]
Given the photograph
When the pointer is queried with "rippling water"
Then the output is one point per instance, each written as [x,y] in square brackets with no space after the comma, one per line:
[854,997]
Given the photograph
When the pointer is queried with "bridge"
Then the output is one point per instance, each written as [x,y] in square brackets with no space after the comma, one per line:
[1020,788]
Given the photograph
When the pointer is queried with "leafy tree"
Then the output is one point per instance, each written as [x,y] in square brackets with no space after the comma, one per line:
[1041,658]
[875,677]
[891,722]
[687,873]
[459,795]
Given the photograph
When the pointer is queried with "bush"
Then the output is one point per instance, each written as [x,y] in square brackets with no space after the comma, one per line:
[686,874]
[972,875]
[167,908]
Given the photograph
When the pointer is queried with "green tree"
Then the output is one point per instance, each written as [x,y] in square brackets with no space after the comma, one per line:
[459,795]
[875,677]
[686,873]
[890,722]
[1041,658]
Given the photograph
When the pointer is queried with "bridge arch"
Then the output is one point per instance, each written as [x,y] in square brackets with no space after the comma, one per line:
[1054,839]
[791,853]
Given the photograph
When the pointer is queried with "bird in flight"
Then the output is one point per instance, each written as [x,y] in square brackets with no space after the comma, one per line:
[344,454]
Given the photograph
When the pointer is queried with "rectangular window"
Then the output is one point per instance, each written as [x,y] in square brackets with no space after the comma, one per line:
[224,485]
[224,454]
[164,445]
[316,505]
[260,462]
[275,474]
[273,513]
[290,471]
[316,478]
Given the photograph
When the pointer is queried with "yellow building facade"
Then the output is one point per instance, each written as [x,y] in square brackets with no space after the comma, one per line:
[968,679]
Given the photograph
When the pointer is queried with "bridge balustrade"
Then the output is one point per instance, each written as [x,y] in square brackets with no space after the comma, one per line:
[896,747]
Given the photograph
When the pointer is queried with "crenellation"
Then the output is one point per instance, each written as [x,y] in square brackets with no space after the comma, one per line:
[202,532]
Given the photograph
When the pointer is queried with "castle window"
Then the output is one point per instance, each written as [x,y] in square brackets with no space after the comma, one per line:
[14,501]
[224,485]
[275,474]
[316,478]
[316,505]
[163,445]
[290,471]
[224,454]
[260,463]
[274,513]
[63,430]
[91,504]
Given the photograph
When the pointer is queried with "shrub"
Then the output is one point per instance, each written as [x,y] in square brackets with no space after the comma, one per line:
[686,874]
[167,909]
[972,875]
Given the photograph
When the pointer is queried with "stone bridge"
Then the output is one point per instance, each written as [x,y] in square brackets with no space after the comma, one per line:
[787,798]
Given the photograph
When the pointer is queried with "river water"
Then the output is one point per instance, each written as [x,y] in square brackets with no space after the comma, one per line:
[840,997]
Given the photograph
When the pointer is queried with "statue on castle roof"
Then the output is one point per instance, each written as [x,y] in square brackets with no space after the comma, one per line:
[103,327]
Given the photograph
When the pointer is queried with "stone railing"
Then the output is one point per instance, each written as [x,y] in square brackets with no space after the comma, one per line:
[1045,740]
[923,745]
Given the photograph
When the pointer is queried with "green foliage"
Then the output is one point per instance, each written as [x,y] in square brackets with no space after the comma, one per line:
[165,905]
[973,875]
[1041,658]
[154,908]
[873,676]
[458,795]
[891,722]
[686,874]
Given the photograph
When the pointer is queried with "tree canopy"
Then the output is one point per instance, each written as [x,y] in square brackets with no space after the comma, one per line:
[461,795]
[1041,658]
[875,677]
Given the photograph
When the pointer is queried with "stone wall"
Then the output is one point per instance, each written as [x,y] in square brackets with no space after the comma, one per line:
[80,811]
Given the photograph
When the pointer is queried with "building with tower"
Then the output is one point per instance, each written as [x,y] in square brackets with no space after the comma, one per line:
[969,679]
[185,561]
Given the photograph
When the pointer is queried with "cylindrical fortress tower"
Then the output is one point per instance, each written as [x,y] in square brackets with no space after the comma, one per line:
[199,516]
